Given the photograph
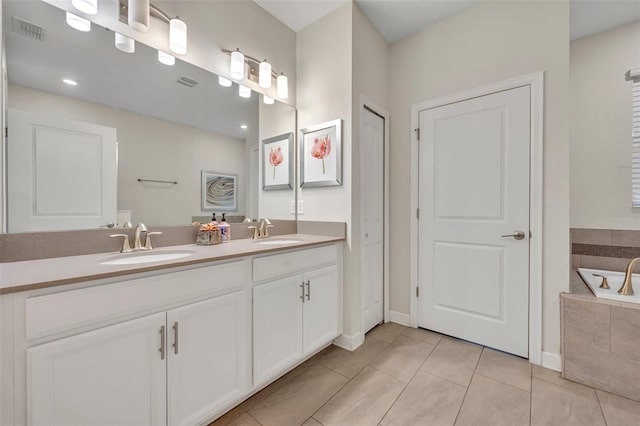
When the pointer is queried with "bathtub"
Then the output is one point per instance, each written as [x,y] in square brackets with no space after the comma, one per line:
[615,280]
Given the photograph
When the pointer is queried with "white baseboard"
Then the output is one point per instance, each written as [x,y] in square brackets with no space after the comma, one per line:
[551,361]
[349,343]
[400,318]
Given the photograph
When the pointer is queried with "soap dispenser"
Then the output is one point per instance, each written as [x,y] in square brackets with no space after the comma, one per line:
[213,219]
[225,229]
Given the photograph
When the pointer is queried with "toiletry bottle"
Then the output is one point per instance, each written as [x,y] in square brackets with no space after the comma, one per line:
[213,219]
[225,229]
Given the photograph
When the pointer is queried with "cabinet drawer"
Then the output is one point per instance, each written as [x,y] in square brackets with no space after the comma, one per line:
[279,265]
[69,310]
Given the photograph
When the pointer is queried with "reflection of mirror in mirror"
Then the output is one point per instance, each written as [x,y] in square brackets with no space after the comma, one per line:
[601,111]
[166,123]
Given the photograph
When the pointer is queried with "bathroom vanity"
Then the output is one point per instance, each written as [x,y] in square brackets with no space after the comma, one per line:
[170,342]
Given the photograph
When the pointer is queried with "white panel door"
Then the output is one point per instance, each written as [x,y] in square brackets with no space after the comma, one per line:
[209,358]
[320,308]
[61,174]
[474,190]
[110,376]
[372,217]
[277,327]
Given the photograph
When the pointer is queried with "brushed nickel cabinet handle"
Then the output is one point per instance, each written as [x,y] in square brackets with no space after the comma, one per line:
[175,337]
[162,340]
[302,288]
[308,289]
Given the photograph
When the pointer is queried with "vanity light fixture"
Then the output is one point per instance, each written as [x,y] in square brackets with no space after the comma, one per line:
[267,100]
[90,7]
[78,23]
[265,75]
[139,15]
[236,68]
[69,82]
[178,36]
[224,82]
[244,91]
[125,44]
[282,89]
[165,58]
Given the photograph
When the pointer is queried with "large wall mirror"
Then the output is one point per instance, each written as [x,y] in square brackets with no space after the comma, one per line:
[99,136]
[603,160]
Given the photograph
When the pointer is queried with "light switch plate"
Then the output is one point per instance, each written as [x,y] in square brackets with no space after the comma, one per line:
[300,206]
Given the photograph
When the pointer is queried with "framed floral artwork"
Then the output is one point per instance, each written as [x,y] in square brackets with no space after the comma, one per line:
[219,191]
[321,155]
[277,166]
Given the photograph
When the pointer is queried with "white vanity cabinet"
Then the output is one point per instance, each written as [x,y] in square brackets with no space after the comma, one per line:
[296,315]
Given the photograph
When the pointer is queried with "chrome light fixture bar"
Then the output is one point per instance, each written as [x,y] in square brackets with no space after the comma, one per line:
[266,72]
[137,14]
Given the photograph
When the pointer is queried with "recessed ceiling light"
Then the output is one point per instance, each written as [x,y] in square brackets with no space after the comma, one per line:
[69,82]
[243,126]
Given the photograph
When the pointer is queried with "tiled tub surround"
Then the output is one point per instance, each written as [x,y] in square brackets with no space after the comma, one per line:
[607,249]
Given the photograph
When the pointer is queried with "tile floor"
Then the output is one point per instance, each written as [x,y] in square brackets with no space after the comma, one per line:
[405,376]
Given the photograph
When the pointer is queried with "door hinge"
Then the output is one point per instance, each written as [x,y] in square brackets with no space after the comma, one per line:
[417,133]
[417,291]
[6,132]
[417,213]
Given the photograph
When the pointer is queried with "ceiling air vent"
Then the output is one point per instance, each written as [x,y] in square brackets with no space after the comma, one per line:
[27,29]
[187,81]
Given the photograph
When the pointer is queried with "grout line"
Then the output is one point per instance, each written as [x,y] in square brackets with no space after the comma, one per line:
[501,382]
[604,418]
[466,392]
[256,420]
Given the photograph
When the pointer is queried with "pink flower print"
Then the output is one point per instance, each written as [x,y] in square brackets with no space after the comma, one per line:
[275,159]
[321,149]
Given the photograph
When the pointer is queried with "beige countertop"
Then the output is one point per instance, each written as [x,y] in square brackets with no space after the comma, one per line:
[35,274]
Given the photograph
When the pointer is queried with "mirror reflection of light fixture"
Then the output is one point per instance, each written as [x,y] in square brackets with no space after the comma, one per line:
[90,7]
[125,44]
[69,82]
[165,58]
[236,68]
[224,82]
[178,36]
[267,100]
[78,23]
[139,15]
[244,91]
[265,75]
[282,88]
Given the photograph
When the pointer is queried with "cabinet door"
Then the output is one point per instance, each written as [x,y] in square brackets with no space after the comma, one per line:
[209,361]
[277,327]
[110,376]
[320,308]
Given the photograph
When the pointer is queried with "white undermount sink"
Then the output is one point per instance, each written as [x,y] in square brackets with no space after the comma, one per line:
[146,257]
[276,242]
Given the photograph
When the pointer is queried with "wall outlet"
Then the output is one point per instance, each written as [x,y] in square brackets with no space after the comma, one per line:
[300,206]
[293,207]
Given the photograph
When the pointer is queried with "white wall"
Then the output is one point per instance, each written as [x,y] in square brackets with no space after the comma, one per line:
[600,117]
[152,149]
[491,42]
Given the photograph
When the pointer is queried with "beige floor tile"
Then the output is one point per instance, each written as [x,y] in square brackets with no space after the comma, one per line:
[453,360]
[364,401]
[555,377]
[297,400]
[489,402]
[244,420]
[230,416]
[312,422]
[403,357]
[387,332]
[350,363]
[424,335]
[505,368]
[427,400]
[619,411]
[557,405]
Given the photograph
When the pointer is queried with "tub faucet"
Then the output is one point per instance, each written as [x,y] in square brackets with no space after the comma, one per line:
[627,285]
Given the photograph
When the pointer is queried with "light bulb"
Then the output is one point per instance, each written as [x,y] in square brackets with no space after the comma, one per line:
[139,15]
[224,82]
[244,91]
[265,74]
[267,99]
[69,82]
[282,89]
[125,44]
[236,68]
[165,58]
[90,7]
[178,36]
[78,23]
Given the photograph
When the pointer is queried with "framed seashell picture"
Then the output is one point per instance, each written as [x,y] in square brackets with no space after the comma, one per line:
[321,155]
[277,165]
[219,191]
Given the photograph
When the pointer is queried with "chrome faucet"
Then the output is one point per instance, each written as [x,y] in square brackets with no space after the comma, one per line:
[137,245]
[262,231]
[627,285]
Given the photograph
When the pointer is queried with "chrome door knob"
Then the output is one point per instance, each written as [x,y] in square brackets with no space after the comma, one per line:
[518,235]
